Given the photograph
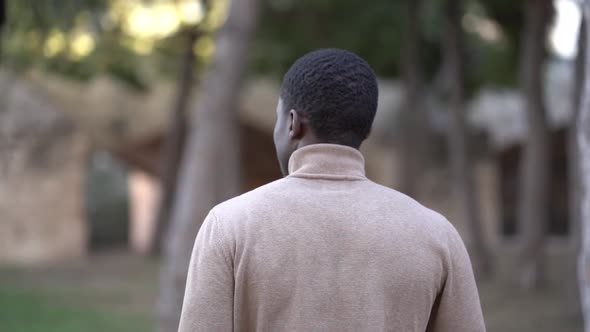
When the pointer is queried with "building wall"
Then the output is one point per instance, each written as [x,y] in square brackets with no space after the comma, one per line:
[42,161]
[144,192]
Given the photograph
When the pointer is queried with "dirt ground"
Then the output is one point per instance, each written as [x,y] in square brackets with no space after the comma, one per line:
[127,285]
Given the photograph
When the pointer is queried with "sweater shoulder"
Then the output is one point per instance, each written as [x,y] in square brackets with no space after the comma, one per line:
[251,200]
[410,205]
[426,221]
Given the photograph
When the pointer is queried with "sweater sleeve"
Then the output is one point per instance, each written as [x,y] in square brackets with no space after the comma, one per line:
[208,298]
[457,307]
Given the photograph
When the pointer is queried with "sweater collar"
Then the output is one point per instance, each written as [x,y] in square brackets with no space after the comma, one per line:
[327,161]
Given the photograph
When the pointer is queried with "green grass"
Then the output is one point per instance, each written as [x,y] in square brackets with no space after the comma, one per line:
[119,292]
[33,310]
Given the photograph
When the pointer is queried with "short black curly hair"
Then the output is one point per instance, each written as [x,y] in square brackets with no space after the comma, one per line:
[336,91]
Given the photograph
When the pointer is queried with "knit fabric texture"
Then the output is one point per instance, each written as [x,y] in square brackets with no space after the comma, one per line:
[326,249]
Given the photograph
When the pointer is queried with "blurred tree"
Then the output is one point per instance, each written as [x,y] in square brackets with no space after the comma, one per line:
[583,129]
[53,35]
[177,133]
[175,142]
[412,143]
[573,162]
[210,164]
[534,173]
[135,41]
[499,63]
[2,20]
[461,166]
[289,29]
[379,34]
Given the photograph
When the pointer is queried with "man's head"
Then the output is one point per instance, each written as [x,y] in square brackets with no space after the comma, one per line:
[328,96]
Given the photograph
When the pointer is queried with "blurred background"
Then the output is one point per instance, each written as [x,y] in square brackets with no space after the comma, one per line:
[122,122]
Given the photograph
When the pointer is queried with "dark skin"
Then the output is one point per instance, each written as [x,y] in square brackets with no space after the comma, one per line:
[292,132]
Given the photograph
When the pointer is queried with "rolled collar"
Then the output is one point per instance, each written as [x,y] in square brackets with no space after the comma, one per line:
[327,161]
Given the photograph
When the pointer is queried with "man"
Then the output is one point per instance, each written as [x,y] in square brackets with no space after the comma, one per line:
[326,249]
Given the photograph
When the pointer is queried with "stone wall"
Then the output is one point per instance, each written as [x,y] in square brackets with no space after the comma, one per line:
[42,161]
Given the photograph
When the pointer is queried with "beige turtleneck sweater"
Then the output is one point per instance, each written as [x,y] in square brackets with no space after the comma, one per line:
[326,249]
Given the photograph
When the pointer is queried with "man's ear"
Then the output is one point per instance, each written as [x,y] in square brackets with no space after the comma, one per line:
[295,125]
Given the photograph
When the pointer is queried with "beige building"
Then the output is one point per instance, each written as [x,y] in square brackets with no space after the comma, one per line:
[42,161]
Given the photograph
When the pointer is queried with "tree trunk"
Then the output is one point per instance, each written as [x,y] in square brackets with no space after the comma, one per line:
[175,142]
[2,21]
[573,164]
[212,139]
[414,127]
[2,13]
[584,159]
[534,168]
[573,160]
[461,165]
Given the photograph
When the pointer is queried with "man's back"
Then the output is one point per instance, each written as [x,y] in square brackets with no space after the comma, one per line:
[325,249]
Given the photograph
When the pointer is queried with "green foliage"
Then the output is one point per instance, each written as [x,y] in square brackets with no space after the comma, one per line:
[31,23]
[491,64]
[376,31]
[288,29]
[509,14]
[42,34]
[499,64]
